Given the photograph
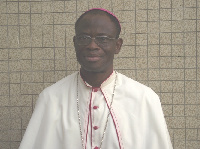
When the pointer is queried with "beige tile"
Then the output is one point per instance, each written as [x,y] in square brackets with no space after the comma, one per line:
[128,73]
[166,86]
[60,64]
[5,135]
[155,85]
[165,26]
[26,88]
[93,4]
[37,65]
[15,135]
[190,50]
[165,14]
[178,110]
[48,65]
[177,38]
[153,50]
[179,134]
[49,76]
[179,144]
[37,76]
[5,124]
[178,50]
[153,74]
[4,89]
[70,6]
[36,36]
[190,38]
[4,78]
[47,18]
[38,53]
[70,53]
[26,53]
[21,100]
[141,75]
[26,77]
[191,134]
[36,19]
[190,25]
[47,6]
[36,7]
[12,19]
[141,51]
[141,39]
[48,36]
[165,50]
[178,122]
[177,74]
[15,124]
[165,38]
[190,13]
[178,98]
[165,74]
[118,5]
[191,98]
[12,7]
[3,7]
[26,112]
[141,4]
[167,110]
[121,63]
[153,15]
[191,110]
[127,28]
[178,26]
[13,36]
[14,145]
[153,38]
[48,53]
[153,27]
[25,123]
[4,66]
[5,112]
[128,4]
[141,63]
[153,62]
[190,74]
[129,39]
[166,98]
[5,145]
[5,101]
[60,75]
[24,7]
[192,144]
[59,35]
[26,65]
[190,3]
[177,62]
[177,14]
[126,51]
[25,36]
[3,37]
[165,3]
[153,4]
[165,62]
[192,122]
[60,53]
[190,62]
[177,3]
[15,54]
[15,89]
[178,86]
[141,15]
[141,27]
[82,5]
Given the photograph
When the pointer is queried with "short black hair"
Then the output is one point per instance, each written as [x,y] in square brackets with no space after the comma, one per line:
[101,12]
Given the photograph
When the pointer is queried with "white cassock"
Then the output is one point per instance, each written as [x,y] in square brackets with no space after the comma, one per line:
[136,120]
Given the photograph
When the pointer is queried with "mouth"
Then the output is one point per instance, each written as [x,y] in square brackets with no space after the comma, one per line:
[92,58]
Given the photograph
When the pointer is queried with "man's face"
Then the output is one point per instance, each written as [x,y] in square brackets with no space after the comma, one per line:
[94,57]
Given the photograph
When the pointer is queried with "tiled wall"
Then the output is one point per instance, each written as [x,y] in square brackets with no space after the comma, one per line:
[161,49]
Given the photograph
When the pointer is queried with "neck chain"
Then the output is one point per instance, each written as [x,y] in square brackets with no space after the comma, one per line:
[79,118]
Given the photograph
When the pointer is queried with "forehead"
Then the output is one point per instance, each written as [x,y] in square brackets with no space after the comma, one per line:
[96,23]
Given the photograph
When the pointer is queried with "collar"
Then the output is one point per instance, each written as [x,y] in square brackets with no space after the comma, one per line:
[105,82]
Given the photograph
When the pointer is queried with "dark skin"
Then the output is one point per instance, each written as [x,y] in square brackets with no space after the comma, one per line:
[97,62]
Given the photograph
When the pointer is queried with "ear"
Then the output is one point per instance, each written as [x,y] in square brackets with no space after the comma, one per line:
[118,45]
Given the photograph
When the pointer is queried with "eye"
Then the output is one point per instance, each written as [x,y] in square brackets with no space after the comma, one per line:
[83,38]
[102,39]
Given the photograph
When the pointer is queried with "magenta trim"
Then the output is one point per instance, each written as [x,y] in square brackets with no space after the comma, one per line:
[113,120]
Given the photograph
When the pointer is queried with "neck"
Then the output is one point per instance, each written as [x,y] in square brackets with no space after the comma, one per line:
[95,79]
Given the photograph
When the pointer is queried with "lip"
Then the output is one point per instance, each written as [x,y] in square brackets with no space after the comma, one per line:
[92,58]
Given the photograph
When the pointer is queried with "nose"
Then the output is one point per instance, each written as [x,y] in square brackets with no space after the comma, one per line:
[93,45]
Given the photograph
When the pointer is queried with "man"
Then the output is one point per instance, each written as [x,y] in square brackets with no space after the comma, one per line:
[97,107]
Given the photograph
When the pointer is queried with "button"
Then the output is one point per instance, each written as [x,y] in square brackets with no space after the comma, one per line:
[96,147]
[95,89]
[95,107]
[95,127]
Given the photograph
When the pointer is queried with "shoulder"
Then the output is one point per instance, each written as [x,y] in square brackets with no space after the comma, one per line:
[135,88]
[60,86]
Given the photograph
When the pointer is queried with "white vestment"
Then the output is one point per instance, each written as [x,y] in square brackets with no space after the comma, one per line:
[136,120]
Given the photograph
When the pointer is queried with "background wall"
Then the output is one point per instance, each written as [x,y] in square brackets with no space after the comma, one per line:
[161,49]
